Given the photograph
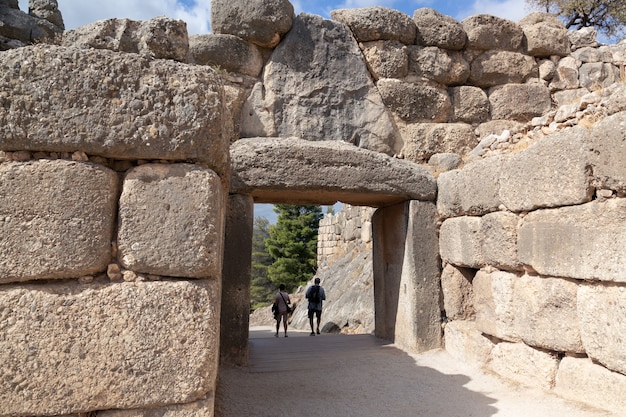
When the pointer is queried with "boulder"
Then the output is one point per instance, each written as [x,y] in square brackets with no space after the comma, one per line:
[415,102]
[602,317]
[582,242]
[608,147]
[18,29]
[439,65]
[262,22]
[545,313]
[442,162]
[490,32]
[525,365]
[545,35]
[590,55]
[226,52]
[552,172]
[501,67]
[308,93]
[493,303]
[499,244]
[47,10]
[466,344]
[436,29]
[423,140]
[386,59]
[469,104]
[160,38]
[520,102]
[113,105]
[597,75]
[58,221]
[271,170]
[473,190]
[377,23]
[583,38]
[72,347]
[171,221]
[460,242]
[458,295]
[566,75]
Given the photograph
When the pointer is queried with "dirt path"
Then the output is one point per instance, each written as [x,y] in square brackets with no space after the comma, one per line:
[359,375]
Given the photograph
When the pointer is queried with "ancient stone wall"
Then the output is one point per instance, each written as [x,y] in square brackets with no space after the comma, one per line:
[120,146]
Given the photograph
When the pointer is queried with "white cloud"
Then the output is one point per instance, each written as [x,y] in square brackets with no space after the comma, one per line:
[509,9]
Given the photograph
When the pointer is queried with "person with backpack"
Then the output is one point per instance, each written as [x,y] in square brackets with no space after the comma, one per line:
[315,294]
[281,309]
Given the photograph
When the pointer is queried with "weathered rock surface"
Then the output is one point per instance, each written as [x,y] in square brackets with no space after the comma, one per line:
[66,348]
[467,344]
[439,65]
[608,150]
[519,102]
[415,102]
[579,379]
[436,29]
[56,219]
[524,364]
[499,244]
[202,408]
[583,242]
[423,140]
[47,10]
[493,303]
[469,104]
[271,169]
[545,314]
[602,312]
[386,59]
[501,67]
[160,37]
[122,106]
[263,22]
[171,221]
[490,32]
[545,35]
[458,295]
[460,242]
[41,25]
[227,52]
[302,79]
[377,23]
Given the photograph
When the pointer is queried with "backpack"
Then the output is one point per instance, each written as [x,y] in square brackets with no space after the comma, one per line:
[315,295]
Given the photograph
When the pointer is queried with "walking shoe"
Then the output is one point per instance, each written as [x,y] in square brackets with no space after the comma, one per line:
[286,335]
[312,334]
[318,331]
[276,335]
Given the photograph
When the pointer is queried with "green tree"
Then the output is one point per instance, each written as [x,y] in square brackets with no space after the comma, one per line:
[261,288]
[607,16]
[293,244]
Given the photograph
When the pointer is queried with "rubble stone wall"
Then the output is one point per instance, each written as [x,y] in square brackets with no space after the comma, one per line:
[115,173]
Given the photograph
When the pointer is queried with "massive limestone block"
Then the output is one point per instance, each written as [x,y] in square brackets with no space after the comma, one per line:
[493,303]
[56,219]
[418,318]
[436,29]
[262,22]
[545,314]
[552,172]
[499,245]
[47,10]
[490,32]
[467,344]
[18,29]
[608,153]
[114,105]
[68,348]
[309,93]
[602,316]
[458,295]
[584,242]
[160,38]
[460,242]
[423,140]
[597,75]
[377,23]
[519,102]
[171,221]
[566,75]
[299,171]
[415,102]
[433,63]
[202,408]
[227,52]
[469,104]
[579,379]
[545,35]
[501,67]
[386,59]
[473,190]
[523,364]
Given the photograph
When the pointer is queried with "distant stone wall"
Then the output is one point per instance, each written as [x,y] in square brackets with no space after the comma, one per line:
[117,160]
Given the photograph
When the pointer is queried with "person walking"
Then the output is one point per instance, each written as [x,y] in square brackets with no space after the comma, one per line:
[315,294]
[282,302]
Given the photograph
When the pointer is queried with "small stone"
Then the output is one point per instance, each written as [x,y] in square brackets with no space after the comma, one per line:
[114,272]
[129,276]
[80,156]
[86,279]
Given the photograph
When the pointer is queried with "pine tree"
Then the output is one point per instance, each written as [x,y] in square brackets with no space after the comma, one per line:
[607,16]
[261,288]
[293,245]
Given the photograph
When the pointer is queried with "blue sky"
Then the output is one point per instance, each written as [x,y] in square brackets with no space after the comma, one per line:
[197,13]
